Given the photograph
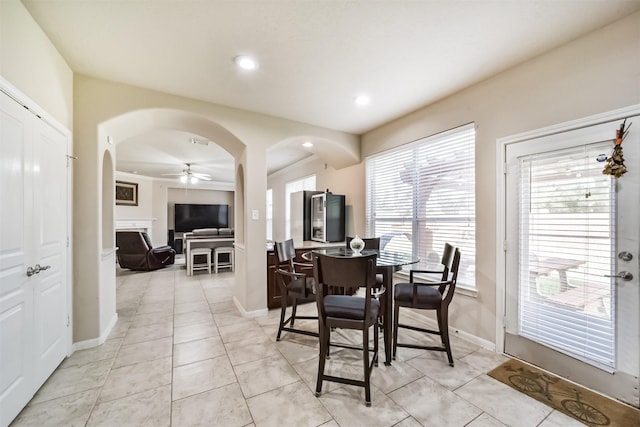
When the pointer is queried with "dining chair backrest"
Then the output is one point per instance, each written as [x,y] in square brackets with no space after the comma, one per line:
[344,275]
[285,252]
[369,242]
[451,261]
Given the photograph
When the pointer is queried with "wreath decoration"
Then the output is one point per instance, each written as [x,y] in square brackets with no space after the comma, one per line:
[615,164]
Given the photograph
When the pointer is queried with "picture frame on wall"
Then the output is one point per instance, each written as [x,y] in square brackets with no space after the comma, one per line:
[126,193]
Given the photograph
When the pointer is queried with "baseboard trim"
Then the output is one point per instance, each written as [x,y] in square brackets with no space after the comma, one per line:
[255,313]
[94,342]
[488,345]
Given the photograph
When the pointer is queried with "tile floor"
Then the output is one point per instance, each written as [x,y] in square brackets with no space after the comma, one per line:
[182,355]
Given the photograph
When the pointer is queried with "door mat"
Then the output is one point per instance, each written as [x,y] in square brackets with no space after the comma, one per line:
[577,402]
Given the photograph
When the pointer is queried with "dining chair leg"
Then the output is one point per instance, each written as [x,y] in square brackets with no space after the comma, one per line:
[396,312]
[294,309]
[324,335]
[367,366]
[376,343]
[443,323]
[283,313]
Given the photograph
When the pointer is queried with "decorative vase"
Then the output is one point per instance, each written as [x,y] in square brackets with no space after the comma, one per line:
[357,245]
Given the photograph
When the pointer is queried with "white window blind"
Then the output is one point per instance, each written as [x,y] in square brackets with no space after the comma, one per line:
[422,195]
[307,183]
[567,220]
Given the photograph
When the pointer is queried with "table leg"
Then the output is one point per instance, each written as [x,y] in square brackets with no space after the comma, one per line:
[387,311]
[187,256]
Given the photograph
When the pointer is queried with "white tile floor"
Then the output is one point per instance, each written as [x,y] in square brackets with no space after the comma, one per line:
[182,355]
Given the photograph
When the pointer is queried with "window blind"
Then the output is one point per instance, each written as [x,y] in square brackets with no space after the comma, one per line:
[422,195]
[567,220]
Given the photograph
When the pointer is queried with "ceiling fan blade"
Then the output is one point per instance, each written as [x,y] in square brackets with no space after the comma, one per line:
[202,177]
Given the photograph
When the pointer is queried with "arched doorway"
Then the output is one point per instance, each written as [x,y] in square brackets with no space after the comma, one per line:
[98,317]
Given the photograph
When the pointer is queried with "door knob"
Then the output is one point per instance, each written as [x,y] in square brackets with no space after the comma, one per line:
[624,275]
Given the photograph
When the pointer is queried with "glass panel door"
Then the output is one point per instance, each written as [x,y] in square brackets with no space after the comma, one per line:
[567,228]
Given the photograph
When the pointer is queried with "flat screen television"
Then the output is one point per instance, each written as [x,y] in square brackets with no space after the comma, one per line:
[189,217]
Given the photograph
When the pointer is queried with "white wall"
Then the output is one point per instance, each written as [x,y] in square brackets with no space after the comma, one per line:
[156,198]
[144,210]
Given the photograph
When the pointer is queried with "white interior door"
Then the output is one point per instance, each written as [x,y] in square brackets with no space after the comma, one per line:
[50,248]
[33,255]
[16,290]
[566,224]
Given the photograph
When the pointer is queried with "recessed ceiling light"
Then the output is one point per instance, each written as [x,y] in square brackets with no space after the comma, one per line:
[362,100]
[245,62]
[307,144]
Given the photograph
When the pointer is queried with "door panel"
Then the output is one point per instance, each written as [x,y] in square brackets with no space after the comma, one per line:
[16,292]
[620,378]
[50,225]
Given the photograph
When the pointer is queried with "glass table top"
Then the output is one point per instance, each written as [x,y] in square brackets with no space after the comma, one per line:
[384,259]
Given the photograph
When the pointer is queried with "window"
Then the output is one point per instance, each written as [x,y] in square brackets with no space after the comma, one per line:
[269,215]
[308,183]
[566,233]
[422,195]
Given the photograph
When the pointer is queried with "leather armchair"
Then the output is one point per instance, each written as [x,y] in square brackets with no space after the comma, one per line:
[136,252]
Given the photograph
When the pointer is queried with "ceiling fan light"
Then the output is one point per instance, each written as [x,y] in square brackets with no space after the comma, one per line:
[183,179]
[194,180]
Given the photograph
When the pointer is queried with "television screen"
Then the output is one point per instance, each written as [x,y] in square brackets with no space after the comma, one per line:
[189,217]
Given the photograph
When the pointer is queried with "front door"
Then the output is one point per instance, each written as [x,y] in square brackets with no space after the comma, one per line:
[572,248]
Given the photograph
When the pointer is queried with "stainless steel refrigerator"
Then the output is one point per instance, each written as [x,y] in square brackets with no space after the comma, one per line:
[328,217]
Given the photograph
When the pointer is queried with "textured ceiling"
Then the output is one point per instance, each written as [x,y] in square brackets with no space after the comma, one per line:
[314,56]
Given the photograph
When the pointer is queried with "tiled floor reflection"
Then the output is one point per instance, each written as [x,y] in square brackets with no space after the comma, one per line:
[182,355]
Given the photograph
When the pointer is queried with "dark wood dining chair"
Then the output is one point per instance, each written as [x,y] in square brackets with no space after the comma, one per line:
[373,243]
[429,295]
[346,311]
[295,281]
[369,243]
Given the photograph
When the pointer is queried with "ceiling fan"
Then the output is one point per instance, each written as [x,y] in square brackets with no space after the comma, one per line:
[187,175]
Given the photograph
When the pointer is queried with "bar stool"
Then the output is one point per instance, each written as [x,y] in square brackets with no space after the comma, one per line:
[193,253]
[216,258]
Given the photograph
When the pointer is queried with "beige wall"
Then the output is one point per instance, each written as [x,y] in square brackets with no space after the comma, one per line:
[107,109]
[348,181]
[31,63]
[594,74]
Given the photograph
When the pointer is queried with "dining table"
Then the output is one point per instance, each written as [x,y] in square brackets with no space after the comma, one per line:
[387,263]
